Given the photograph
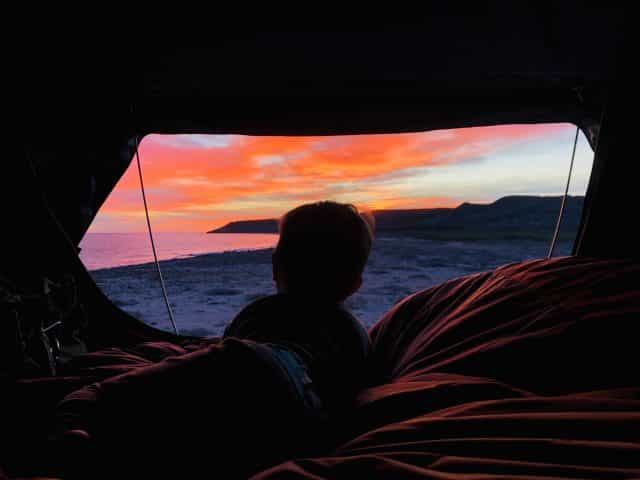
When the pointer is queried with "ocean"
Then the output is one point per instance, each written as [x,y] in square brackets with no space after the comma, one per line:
[107,250]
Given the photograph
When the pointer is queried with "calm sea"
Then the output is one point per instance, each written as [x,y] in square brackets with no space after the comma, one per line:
[105,250]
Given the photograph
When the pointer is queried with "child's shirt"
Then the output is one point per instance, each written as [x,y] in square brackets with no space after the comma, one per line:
[330,341]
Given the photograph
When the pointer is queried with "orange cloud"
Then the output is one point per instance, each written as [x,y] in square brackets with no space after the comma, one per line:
[198,182]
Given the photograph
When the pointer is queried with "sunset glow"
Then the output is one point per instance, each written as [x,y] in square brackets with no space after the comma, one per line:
[200,182]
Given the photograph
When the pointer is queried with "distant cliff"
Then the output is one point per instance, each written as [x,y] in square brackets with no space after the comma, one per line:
[508,217]
[249,226]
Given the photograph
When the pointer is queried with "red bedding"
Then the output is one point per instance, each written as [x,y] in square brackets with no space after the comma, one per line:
[227,409]
[27,405]
[528,371]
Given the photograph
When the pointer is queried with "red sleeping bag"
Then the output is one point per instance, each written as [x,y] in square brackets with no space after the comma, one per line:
[528,371]
[27,405]
[227,410]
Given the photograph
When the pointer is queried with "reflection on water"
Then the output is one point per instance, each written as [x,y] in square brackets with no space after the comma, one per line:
[106,250]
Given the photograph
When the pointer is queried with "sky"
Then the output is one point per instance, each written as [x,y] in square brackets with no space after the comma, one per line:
[195,183]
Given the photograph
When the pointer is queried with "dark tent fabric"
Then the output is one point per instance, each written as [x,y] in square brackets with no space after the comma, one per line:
[29,405]
[528,371]
[227,402]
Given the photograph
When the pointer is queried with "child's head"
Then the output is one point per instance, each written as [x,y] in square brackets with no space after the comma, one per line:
[322,250]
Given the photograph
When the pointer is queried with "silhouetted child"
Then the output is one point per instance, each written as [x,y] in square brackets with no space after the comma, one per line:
[317,264]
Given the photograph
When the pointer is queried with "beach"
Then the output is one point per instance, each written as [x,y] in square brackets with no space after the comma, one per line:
[207,290]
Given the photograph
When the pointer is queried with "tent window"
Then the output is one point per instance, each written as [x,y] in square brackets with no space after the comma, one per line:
[446,203]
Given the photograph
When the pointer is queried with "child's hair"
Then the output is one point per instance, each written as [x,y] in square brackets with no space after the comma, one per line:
[323,249]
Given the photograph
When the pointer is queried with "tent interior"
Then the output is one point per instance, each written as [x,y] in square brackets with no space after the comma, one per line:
[531,376]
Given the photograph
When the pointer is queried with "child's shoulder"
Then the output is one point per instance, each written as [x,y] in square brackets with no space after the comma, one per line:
[354,326]
[267,312]
[292,311]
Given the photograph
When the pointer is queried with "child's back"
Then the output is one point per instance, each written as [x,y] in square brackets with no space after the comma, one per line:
[330,342]
[317,264]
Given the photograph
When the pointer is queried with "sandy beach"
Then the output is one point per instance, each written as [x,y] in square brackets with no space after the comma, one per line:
[206,291]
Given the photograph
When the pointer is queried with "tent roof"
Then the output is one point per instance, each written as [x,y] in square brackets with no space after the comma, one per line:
[450,66]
